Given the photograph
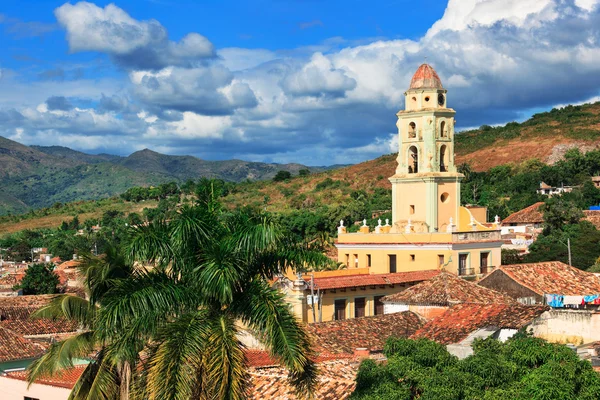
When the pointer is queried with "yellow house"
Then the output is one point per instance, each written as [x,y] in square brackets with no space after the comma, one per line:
[429,231]
[429,228]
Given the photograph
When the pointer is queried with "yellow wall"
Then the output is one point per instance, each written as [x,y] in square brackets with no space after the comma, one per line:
[349,295]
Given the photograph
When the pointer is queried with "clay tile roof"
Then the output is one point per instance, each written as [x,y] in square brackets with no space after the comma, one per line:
[340,282]
[446,289]
[528,215]
[65,379]
[39,326]
[336,381]
[13,347]
[552,277]
[463,319]
[68,264]
[11,279]
[345,336]
[26,301]
[426,78]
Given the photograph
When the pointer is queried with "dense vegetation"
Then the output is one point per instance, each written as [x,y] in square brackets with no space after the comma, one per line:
[39,279]
[171,331]
[522,368]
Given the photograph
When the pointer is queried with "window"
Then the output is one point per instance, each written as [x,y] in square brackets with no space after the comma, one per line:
[392,263]
[483,262]
[443,166]
[412,209]
[378,305]
[427,98]
[441,260]
[413,160]
[347,260]
[412,130]
[356,261]
[359,307]
[30,398]
[462,264]
[444,197]
[339,309]
[368,260]
[412,257]
[443,129]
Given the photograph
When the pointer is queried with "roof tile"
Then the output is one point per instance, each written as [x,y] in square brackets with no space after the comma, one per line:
[340,282]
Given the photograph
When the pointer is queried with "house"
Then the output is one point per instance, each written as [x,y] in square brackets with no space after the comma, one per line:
[15,387]
[529,220]
[344,294]
[550,191]
[528,283]
[463,323]
[433,297]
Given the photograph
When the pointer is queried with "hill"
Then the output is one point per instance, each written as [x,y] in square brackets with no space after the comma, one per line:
[39,176]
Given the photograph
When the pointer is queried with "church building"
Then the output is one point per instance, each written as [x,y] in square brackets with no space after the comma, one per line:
[430,231]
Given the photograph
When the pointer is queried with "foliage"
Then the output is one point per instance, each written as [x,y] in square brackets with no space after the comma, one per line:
[523,368]
[281,176]
[39,279]
[171,331]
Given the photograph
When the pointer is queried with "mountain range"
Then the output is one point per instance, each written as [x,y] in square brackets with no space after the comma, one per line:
[40,176]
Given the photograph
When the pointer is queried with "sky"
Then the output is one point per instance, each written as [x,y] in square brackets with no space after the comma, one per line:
[316,82]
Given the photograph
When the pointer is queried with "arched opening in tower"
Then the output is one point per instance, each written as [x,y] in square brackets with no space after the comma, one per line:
[413,160]
[443,165]
[443,129]
[412,130]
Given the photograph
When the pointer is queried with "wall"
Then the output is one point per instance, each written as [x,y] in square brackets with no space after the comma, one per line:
[501,282]
[568,326]
[13,389]
[425,311]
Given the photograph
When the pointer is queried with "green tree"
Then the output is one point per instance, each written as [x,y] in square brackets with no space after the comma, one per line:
[39,279]
[210,272]
[281,176]
[304,172]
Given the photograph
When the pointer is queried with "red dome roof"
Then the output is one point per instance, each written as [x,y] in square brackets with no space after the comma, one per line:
[425,78]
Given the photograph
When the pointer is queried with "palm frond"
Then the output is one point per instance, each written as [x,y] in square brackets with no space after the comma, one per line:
[266,312]
[72,308]
[61,355]
[98,381]
[175,365]
[151,244]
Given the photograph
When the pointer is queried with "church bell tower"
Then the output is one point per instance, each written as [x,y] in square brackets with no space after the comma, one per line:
[426,186]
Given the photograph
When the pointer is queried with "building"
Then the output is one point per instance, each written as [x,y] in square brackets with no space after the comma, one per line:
[550,191]
[435,296]
[429,228]
[458,327]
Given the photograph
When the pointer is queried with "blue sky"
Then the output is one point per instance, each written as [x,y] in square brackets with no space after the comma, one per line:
[315,82]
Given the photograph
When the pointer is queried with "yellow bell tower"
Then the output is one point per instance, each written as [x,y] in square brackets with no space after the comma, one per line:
[426,186]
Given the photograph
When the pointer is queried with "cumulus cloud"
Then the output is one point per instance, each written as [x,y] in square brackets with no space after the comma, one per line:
[58,103]
[131,43]
[316,105]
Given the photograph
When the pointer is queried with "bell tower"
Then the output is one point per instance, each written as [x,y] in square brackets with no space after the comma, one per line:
[426,186]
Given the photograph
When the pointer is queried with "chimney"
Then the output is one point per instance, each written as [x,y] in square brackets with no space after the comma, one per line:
[361,352]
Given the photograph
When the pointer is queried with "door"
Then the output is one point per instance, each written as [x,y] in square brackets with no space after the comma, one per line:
[359,307]
[340,309]
[462,264]
[483,262]
[392,262]
[378,305]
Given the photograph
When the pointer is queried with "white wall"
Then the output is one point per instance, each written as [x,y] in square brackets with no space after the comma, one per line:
[391,308]
[568,326]
[14,389]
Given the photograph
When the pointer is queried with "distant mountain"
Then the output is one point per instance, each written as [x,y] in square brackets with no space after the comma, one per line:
[39,176]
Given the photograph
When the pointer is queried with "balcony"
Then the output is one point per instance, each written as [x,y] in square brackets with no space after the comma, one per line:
[464,271]
[486,269]
[475,236]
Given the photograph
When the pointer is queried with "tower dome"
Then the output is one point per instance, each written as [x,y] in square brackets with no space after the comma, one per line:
[425,78]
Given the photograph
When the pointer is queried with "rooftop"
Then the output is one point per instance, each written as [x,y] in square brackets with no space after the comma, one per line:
[13,347]
[425,78]
[528,215]
[552,277]
[336,381]
[340,282]
[461,320]
[447,289]
[345,336]
[65,379]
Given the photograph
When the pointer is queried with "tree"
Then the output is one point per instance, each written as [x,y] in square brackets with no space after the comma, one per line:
[521,368]
[39,279]
[559,212]
[281,176]
[304,172]
[210,271]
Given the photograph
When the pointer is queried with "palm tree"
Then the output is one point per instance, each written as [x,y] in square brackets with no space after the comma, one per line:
[171,331]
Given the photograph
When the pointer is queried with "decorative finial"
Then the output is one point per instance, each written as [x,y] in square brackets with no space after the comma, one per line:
[379,222]
[387,222]
[496,220]
[341,223]
[364,222]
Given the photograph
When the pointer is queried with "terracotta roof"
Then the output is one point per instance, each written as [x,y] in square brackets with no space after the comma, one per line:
[345,336]
[340,282]
[336,381]
[26,301]
[463,319]
[68,264]
[65,379]
[446,289]
[11,279]
[553,277]
[528,215]
[425,78]
[39,326]
[13,347]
